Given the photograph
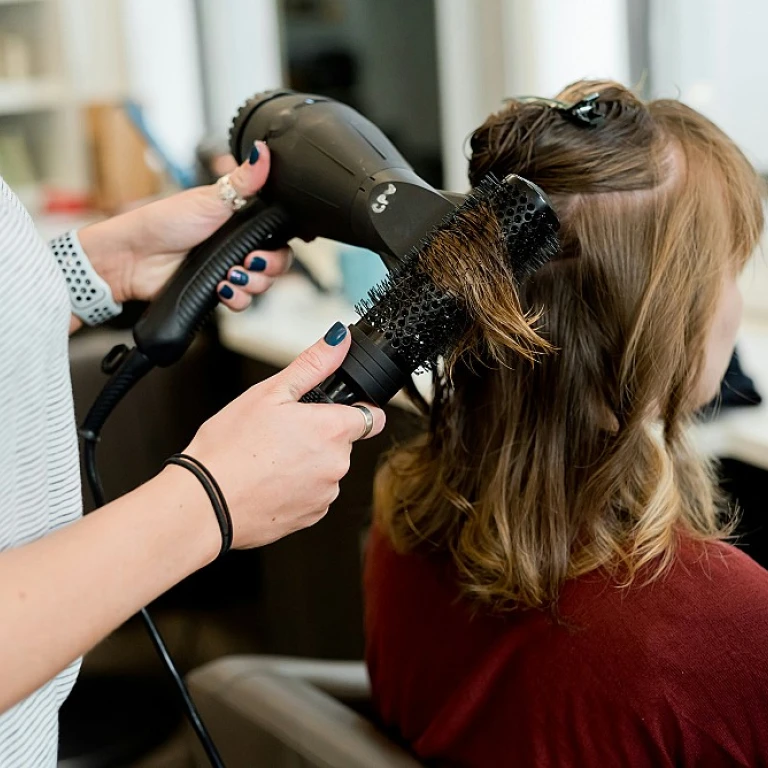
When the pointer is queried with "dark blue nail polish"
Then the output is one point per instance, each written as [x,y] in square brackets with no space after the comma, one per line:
[336,334]
[238,277]
[226,292]
[254,156]
[257,264]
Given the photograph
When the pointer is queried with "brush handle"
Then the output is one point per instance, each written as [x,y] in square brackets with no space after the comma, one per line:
[368,372]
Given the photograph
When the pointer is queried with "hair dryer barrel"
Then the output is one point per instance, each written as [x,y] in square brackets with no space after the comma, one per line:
[336,173]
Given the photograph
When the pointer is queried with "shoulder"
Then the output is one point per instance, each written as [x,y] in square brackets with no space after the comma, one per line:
[692,644]
[707,583]
[712,594]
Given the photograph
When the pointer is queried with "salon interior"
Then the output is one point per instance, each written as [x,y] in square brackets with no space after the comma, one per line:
[106,104]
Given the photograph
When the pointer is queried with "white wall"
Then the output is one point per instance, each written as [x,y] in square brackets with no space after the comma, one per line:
[550,43]
[241,55]
[162,62]
[471,76]
[92,36]
[711,55]
[493,49]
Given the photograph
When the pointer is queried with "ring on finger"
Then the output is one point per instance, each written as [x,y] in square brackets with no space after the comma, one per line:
[227,193]
[368,416]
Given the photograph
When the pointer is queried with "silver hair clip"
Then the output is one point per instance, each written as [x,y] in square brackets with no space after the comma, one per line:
[588,112]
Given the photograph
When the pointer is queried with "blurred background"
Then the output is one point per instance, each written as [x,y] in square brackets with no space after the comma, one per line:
[86,86]
[105,104]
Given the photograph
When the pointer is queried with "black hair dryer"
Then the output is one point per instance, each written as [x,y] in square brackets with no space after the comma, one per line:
[334,174]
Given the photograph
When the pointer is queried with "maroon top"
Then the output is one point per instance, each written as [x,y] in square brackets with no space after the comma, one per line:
[674,673]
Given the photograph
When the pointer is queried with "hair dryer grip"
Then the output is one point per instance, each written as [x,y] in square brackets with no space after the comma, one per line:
[168,327]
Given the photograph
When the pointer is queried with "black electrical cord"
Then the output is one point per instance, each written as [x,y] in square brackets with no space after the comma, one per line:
[91,440]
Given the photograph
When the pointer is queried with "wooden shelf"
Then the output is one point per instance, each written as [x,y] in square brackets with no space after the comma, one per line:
[34,95]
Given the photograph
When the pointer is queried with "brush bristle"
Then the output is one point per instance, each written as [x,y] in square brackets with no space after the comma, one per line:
[420,321]
[465,274]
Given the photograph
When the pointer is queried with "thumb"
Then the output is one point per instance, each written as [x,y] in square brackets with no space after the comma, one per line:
[313,365]
[251,175]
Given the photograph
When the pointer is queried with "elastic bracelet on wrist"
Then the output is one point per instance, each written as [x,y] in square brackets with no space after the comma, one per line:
[215,494]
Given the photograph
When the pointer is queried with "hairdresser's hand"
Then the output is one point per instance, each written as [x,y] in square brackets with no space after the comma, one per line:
[137,252]
[279,461]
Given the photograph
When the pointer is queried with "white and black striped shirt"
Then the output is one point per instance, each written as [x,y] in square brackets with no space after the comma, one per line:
[39,468]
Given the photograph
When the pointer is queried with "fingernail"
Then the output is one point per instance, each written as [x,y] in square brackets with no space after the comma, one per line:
[226,292]
[335,334]
[238,277]
[257,264]
[254,156]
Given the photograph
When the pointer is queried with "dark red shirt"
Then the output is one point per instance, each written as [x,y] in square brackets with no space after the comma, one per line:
[674,673]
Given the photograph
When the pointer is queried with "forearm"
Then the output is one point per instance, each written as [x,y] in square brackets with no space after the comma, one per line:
[61,595]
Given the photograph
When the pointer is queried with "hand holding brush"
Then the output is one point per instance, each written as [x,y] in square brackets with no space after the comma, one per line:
[457,288]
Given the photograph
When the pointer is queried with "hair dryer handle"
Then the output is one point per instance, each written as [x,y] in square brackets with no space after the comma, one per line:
[167,328]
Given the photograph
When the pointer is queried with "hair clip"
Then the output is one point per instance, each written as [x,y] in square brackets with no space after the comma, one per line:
[588,112]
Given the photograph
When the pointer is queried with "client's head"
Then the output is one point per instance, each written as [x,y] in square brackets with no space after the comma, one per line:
[531,474]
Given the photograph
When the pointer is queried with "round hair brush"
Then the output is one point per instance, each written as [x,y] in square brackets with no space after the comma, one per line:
[462,280]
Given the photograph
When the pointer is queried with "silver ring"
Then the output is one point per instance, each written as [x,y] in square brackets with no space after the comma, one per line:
[228,194]
[368,416]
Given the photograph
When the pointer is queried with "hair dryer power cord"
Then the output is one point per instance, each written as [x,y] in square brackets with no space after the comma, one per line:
[94,481]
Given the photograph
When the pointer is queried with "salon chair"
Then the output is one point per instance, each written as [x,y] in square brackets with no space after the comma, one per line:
[282,712]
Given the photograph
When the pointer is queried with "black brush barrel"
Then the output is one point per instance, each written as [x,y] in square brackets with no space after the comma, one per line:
[410,324]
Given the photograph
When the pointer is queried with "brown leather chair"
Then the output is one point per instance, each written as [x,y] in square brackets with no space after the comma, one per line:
[286,712]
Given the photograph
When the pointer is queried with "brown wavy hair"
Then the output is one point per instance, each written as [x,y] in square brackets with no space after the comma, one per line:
[529,475]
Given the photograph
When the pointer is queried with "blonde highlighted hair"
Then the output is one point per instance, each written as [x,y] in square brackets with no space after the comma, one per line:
[529,475]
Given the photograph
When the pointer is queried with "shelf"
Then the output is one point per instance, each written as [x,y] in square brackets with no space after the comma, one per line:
[34,95]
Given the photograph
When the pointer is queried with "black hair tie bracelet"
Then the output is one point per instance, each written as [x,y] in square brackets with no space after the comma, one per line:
[219,503]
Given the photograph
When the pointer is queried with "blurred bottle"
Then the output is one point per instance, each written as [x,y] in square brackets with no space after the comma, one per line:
[360,269]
